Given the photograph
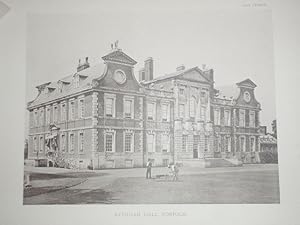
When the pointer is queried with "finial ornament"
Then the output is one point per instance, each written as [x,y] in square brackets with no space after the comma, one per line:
[116,43]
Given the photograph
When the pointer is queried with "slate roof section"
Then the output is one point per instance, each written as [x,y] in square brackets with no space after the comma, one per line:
[92,73]
[228,91]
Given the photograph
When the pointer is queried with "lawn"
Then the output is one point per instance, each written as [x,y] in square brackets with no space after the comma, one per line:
[228,187]
[233,187]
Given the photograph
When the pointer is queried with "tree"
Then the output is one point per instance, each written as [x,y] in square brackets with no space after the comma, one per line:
[274,128]
[26,149]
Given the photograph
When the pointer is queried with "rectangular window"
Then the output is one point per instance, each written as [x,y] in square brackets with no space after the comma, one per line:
[36,121]
[204,97]
[181,110]
[150,142]
[128,142]
[35,148]
[217,116]
[165,111]
[203,113]
[63,112]
[151,111]
[71,143]
[165,143]
[55,114]
[206,143]
[42,117]
[242,144]
[48,115]
[252,144]
[252,119]
[72,110]
[63,142]
[109,137]
[109,102]
[184,142]
[81,108]
[227,118]
[193,107]
[41,143]
[228,143]
[181,91]
[81,142]
[128,108]
[242,118]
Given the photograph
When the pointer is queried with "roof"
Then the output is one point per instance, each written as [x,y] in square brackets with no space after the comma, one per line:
[247,82]
[91,73]
[267,139]
[228,91]
[176,74]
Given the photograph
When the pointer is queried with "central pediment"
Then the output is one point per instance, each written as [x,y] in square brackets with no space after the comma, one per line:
[120,57]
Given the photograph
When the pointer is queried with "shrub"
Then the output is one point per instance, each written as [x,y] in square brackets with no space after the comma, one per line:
[268,157]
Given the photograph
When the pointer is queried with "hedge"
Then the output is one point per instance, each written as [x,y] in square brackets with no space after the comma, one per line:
[268,157]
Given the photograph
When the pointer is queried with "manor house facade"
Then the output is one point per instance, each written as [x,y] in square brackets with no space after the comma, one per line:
[102,117]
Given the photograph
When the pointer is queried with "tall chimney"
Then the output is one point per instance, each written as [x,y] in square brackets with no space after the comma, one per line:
[148,69]
[142,74]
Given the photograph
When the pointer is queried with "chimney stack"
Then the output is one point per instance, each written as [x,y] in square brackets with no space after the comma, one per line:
[83,65]
[148,69]
[142,74]
[180,67]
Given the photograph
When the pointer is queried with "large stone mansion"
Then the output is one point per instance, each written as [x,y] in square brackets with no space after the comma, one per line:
[102,117]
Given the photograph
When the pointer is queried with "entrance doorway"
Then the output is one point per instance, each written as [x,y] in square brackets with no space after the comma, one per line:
[196,146]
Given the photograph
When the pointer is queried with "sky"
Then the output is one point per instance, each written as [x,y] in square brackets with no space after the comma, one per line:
[237,44]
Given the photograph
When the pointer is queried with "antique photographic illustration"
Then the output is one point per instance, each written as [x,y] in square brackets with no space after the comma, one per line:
[156,107]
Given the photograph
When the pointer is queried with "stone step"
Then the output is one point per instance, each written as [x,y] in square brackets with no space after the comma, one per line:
[209,163]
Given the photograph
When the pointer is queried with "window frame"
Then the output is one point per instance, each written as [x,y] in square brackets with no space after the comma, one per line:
[41,143]
[240,118]
[218,118]
[71,144]
[113,133]
[243,149]
[166,142]
[81,107]
[55,113]
[153,143]
[153,111]
[131,133]
[113,106]
[72,109]
[131,100]
[81,142]
[63,142]
[252,122]
[63,111]
[193,107]
[167,112]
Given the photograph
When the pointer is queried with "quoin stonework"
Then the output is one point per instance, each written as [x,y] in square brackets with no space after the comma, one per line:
[102,117]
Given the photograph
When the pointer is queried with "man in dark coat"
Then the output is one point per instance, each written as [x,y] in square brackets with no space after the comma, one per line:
[149,166]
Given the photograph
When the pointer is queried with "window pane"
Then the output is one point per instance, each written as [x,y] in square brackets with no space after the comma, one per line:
[150,111]
[127,108]
[184,140]
[109,142]
[150,140]
[181,110]
[109,107]
[128,142]
[164,112]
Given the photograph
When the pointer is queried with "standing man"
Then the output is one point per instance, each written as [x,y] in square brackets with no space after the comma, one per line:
[149,165]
